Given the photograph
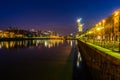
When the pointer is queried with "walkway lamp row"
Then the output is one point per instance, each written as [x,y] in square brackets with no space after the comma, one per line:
[106,33]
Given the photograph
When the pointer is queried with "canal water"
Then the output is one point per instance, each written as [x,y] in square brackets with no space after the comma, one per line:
[41,60]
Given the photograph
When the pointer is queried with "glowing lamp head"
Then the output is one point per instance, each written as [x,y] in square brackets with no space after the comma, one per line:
[98,29]
[103,20]
[96,24]
[78,20]
[99,23]
[116,13]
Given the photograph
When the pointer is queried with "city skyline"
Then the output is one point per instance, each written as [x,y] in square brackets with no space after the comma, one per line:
[59,16]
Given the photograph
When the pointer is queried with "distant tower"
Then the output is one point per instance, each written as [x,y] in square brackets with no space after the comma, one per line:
[80,25]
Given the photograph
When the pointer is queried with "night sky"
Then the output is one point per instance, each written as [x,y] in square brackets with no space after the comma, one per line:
[57,15]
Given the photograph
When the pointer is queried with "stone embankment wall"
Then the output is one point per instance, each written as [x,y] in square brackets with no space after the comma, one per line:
[101,66]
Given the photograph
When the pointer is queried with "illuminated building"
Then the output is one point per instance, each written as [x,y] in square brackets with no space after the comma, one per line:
[80,25]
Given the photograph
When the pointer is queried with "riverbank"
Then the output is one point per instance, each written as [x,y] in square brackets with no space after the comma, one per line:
[100,64]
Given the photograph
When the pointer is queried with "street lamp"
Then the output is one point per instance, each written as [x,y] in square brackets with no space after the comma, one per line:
[78,20]
[98,29]
[99,23]
[98,36]
[103,26]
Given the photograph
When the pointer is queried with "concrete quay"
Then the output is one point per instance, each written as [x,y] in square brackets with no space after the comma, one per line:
[101,65]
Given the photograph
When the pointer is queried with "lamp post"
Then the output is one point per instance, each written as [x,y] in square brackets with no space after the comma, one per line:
[103,21]
[98,35]
[101,34]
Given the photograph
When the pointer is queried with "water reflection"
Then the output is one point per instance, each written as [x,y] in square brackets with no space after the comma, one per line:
[79,59]
[37,59]
[80,71]
[30,43]
[34,43]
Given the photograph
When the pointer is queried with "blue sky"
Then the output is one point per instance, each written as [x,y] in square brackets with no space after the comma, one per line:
[57,15]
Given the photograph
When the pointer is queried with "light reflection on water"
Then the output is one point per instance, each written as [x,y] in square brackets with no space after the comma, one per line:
[80,70]
[41,57]
[79,59]
[34,43]
[30,43]
[37,59]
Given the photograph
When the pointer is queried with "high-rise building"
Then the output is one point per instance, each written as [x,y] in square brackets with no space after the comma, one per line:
[79,25]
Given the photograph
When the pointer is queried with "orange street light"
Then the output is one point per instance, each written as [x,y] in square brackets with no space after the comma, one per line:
[96,24]
[99,23]
[116,13]
[103,21]
[98,29]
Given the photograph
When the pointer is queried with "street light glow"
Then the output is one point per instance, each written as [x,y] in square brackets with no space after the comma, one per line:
[98,34]
[98,29]
[90,32]
[78,20]
[103,20]
[96,24]
[99,23]
[116,13]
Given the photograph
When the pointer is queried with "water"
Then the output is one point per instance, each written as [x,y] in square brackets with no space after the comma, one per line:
[41,60]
